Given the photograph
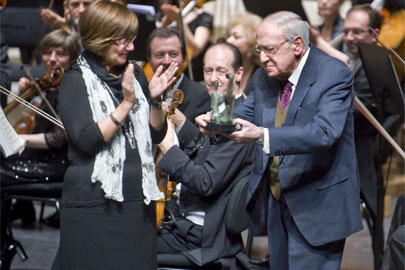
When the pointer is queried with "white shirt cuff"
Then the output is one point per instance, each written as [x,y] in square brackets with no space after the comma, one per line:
[266,141]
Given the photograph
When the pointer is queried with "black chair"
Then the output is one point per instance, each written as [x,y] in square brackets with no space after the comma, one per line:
[45,192]
[235,220]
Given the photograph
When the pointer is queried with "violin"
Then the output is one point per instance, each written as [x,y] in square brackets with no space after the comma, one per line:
[166,186]
[49,82]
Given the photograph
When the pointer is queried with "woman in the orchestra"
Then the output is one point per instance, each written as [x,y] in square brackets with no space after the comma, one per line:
[112,117]
[59,49]
[242,34]
[332,25]
[46,143]
[45,154]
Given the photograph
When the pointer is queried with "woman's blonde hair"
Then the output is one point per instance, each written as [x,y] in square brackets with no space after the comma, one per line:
[250,22]
[105,21]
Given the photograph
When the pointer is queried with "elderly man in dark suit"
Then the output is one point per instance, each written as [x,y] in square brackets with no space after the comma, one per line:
[304,187]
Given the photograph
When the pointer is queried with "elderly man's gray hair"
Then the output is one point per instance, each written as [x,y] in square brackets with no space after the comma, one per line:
[292,25]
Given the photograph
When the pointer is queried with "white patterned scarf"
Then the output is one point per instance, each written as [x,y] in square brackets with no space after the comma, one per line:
[109,162]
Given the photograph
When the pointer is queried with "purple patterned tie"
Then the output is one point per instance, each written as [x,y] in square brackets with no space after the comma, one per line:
[286,95]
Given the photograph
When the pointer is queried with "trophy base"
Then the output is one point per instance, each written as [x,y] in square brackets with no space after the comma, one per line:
[222,127]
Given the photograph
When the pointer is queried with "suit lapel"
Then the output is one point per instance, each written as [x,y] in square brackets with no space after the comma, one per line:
[306,80]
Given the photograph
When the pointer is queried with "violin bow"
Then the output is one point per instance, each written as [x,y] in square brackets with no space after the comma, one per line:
[360,106]
[181,28]
[41,94]
[375,35]
[48,117]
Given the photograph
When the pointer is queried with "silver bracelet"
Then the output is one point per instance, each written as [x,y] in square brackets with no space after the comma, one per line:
[115,121]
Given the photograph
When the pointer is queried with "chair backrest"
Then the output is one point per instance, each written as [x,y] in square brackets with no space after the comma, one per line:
[235,214]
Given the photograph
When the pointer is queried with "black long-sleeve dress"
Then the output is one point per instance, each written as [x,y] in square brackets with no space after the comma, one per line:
[98,233]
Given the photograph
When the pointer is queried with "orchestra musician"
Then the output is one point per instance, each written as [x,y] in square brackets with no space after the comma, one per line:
[304,188]
[112,117]
[70,21]
[206,172]
[164,46]
[332,25]
[242,28]
[197,25]
[44,157]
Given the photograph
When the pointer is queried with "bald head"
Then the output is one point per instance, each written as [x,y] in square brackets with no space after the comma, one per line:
[219,60]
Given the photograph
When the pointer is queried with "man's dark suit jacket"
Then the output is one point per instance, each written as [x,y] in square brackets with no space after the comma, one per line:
[208,173]
[317,168]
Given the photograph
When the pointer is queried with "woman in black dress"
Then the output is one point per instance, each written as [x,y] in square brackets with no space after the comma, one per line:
[107,218]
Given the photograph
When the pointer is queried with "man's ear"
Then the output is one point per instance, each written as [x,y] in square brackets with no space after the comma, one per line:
[298,45]
[238,75]
[65,6]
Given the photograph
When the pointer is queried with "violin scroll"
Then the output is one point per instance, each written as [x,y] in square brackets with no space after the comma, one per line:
[178,97]
[51,79]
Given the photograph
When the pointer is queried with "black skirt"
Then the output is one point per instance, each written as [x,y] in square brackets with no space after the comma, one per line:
[109,236]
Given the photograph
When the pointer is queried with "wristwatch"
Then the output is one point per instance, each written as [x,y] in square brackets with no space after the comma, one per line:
[260,140]
[157,105]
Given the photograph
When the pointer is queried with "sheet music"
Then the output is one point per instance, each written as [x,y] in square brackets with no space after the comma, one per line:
[10,142]
[142,9]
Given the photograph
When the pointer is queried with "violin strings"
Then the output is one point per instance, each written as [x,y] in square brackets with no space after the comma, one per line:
[32,107]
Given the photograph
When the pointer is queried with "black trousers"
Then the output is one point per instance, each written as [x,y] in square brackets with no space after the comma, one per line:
[179,235]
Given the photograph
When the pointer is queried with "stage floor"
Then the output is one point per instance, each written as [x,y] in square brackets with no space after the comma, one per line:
[41,242]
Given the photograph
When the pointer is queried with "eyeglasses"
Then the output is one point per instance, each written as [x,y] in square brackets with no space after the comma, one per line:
[58,54]
[355,31]
[271,49]
[123,42]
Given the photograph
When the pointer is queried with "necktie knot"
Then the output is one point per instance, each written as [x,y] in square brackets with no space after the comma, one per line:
[286,95]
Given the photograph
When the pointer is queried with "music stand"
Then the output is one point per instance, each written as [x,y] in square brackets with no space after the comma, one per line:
[382,77]
[265,7]
[384,83]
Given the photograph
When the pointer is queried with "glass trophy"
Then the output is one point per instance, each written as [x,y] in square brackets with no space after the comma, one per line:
[222,108]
